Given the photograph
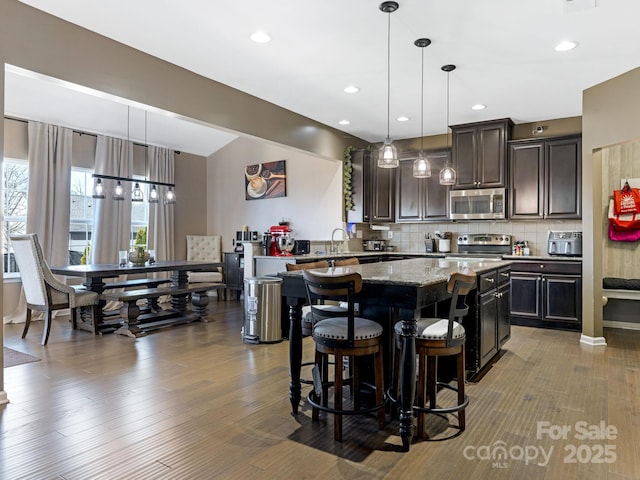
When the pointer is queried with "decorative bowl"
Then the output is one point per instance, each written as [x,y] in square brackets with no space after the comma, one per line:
[139,257]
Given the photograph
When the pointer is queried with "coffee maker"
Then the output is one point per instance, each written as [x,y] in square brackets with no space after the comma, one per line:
[281,241]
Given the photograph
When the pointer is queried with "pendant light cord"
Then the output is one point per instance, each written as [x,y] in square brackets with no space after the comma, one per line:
[422,103]
[388,72]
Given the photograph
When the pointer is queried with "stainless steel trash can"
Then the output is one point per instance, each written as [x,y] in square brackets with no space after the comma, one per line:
[262,310]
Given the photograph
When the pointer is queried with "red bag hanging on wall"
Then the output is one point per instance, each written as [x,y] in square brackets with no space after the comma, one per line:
[626,200]
[623,222]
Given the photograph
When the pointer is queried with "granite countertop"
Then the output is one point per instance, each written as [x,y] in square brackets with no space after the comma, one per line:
[413,271]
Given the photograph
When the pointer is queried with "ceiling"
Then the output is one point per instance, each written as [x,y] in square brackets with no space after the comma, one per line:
[503,50]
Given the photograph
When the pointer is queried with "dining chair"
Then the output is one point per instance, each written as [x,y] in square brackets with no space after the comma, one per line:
[344,336]
[43,292]
[207,248]
[436,337]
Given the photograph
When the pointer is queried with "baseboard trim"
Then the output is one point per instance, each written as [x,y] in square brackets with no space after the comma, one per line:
[593,341]
[3,397]
[622,325]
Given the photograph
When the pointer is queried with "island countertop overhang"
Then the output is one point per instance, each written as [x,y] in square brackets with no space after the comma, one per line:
[418,272]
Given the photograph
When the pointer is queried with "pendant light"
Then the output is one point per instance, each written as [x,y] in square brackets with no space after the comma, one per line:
[153,195]
[170,197]
[421,165]
[388,154]
[448,174]
[98,189]
[137,194]
[118,192]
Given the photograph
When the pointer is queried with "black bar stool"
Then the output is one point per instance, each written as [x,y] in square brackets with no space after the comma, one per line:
[346,336]
[435,338]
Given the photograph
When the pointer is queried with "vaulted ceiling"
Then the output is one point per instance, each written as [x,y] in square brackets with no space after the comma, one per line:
[503,50]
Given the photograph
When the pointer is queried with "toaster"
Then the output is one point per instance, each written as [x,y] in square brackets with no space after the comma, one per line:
[373,245]
[568,244]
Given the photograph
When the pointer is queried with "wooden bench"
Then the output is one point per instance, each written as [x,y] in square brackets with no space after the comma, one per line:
[138,282]
[620,288]
[179,298]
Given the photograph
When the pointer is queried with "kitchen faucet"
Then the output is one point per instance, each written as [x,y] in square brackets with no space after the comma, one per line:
[333,248]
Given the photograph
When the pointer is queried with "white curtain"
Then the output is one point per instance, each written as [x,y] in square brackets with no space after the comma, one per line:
[161,224]
[48,198]
[112,218]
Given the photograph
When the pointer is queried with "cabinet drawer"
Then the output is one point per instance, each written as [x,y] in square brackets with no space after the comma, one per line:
[569,268]
[487,281]
[503,276]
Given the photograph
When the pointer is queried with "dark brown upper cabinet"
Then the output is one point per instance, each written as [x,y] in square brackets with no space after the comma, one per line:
[546,178]
[373,190]
[479,154]
[422,199]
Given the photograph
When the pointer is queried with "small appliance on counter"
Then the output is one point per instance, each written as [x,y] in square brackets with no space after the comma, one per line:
[282,243]
[246,236]
[374,245]
[429,243]
[568,244]
[302,247]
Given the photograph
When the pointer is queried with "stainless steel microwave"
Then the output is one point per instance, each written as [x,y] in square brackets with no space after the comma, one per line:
[477,204]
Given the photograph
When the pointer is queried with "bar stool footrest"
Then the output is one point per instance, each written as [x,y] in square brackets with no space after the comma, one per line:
[315,401]
[455,408]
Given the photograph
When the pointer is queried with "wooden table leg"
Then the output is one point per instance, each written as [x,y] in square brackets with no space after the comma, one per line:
[129,313]
[295,352]
[407,380]
[200,300]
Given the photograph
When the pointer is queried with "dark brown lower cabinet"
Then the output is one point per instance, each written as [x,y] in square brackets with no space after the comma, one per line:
[547,294]
[487,325]
[234,272]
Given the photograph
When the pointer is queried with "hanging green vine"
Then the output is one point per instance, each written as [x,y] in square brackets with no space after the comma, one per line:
[347,180]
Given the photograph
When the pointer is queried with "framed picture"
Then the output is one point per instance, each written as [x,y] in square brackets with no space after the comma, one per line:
[265,180]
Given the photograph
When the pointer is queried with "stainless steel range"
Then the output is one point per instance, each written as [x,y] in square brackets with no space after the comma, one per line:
[487,246]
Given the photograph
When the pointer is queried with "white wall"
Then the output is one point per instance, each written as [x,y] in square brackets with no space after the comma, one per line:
[313,203]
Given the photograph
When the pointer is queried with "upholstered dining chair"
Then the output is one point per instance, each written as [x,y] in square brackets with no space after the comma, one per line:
[436,337]
[207,248]
[344,336]
[43,291]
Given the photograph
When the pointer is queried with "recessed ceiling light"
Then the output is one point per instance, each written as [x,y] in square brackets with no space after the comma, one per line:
[344,122]
[351,89]
[478,106]
[565,46]
[403,118]
[260,37]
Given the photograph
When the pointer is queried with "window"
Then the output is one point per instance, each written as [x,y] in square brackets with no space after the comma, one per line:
[81,217]
[15,183]
[140,212]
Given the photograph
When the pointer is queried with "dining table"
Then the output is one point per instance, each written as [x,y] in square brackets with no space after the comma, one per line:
[392,291]
[95,278]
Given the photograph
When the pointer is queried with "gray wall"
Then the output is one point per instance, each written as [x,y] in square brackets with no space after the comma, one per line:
[610,115]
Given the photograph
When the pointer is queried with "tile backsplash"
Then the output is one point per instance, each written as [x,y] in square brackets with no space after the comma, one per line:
[409,237]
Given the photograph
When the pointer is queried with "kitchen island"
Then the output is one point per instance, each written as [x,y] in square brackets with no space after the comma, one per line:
[392,291]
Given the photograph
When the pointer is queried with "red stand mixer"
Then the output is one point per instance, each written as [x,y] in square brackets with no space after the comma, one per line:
[282,243]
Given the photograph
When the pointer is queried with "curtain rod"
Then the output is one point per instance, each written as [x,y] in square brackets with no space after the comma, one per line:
[80,132]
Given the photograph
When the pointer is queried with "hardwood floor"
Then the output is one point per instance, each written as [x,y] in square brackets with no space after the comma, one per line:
[194,402]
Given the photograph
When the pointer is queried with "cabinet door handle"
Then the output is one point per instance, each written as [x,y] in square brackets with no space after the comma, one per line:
[490,280]
[504,274]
